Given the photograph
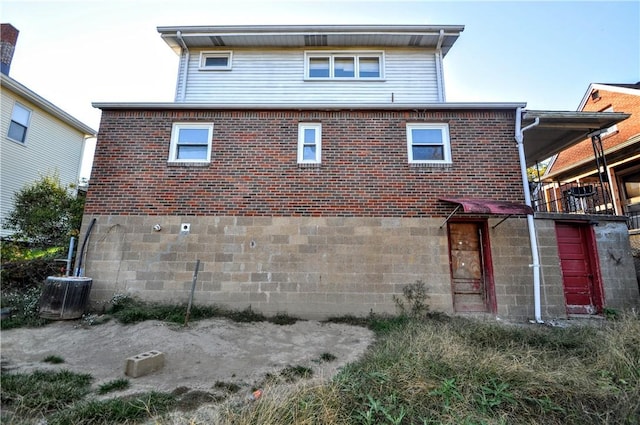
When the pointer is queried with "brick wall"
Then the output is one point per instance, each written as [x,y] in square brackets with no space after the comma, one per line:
[254,170]
[342,238]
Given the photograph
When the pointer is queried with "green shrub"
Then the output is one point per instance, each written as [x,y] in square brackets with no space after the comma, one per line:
[24,306]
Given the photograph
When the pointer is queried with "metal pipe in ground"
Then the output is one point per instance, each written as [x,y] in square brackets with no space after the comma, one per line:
[193,288]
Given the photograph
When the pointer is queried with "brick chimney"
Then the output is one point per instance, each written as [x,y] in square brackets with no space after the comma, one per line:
[8,38]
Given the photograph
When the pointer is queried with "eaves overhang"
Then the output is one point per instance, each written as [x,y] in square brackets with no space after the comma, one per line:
[9,83]
[438,37]
[558,130]
[310,106]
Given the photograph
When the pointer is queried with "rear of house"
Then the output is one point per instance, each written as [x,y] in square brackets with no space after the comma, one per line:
[314,171]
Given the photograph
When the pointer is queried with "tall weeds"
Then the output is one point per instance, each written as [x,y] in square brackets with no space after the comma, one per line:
[456,371]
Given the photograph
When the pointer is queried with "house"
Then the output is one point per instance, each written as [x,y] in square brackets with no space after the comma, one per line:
[572,182]
[318,170]
[38,138]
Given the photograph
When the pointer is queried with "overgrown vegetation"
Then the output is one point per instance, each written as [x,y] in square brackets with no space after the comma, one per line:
[443,370]
[130,310]
[424,368]
[22,307]
[45,213]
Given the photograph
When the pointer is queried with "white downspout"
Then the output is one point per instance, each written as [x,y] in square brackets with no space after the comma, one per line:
[519,136]
[186,67]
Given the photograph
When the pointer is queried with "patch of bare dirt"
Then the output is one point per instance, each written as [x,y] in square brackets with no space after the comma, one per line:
[201,357]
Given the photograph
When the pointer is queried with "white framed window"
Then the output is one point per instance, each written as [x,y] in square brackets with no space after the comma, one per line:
[613,128]
[191,142]
[20,118]
[309,143]
[215,61]
[344,65]
[428,143]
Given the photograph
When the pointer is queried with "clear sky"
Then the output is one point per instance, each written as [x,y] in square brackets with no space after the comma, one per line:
[544,53]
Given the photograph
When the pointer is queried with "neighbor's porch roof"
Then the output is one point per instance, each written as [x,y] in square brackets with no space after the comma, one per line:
[557,130]
[312,36]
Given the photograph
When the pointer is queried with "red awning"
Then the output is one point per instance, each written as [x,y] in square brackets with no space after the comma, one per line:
[490,206]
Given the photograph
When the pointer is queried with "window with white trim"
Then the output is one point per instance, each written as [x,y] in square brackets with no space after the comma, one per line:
[344,65]
[613,128]
[215,61]
[309,143]
[428,143]
[19,124]
[191,142]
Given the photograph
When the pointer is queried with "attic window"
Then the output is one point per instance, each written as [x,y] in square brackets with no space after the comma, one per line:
[215,61]
[344,65]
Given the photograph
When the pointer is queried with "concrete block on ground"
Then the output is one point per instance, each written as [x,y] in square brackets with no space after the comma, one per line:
[144,363]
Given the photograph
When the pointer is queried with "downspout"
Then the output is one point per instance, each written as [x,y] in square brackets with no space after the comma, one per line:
[519,136]
[186,67]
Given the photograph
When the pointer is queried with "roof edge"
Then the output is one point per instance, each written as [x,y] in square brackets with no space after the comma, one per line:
[306,28]
[41,102]
[330,107]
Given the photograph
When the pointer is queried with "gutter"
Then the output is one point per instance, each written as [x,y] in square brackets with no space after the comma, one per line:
[519,136]
[186,68]
[309,106]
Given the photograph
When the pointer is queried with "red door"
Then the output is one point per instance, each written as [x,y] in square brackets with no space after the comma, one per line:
[471,273]
[579,266]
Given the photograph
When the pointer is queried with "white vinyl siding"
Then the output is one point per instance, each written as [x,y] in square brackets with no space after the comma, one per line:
[278,76]
[53,147]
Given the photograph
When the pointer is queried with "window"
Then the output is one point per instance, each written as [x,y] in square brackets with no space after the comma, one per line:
[343,65]
[191,143]
[309,143]
[613,128]
[215,61]
[19,123]
[428,144]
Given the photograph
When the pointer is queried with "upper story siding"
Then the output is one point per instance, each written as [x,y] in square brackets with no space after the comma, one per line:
[254,170]
[276,76]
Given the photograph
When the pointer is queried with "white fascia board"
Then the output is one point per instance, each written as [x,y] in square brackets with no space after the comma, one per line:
[606,87]
[331,107]
[45,105]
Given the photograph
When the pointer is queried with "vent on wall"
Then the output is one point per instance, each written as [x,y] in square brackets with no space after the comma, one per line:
[595,95]
[217,40]
[315,40]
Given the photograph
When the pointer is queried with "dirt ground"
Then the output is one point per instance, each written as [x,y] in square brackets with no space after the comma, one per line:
[196,356]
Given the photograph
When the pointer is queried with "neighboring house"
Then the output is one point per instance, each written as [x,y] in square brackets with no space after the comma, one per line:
[38,138]
[319,170]
[572,183]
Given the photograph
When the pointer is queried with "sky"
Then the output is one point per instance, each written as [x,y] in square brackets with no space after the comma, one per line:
[544,53]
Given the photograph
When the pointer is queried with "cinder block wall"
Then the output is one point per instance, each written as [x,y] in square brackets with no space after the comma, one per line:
[616,265]
[313,267]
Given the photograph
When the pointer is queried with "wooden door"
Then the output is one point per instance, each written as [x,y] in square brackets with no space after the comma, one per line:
[579,267]
[471,278]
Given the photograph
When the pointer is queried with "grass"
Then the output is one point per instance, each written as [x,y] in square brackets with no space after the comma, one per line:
[424,368]
[129,310]
[115,385]
[53,359]
[443,370]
